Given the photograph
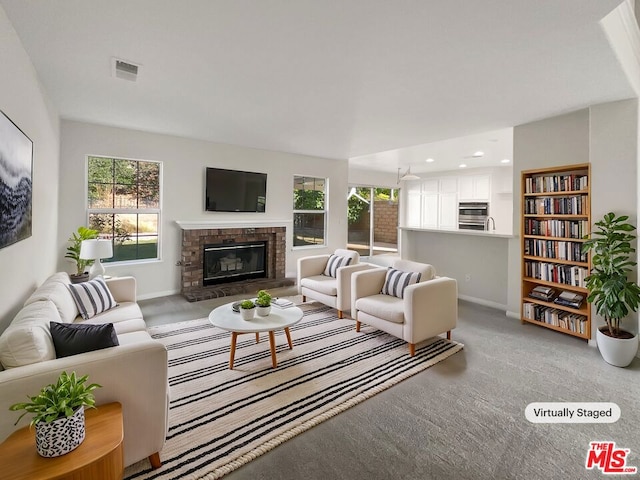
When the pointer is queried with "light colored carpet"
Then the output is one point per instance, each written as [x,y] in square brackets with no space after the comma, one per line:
[221,419]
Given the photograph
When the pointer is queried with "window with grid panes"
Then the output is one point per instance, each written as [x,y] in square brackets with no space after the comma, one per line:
[309,211]
[124,205]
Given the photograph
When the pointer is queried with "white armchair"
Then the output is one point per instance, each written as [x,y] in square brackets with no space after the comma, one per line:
[428,308]
[332,291]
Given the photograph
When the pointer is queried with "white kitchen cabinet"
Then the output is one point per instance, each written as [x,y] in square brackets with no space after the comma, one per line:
[448,210]
[430,186]
[482,187]
[430,210]
[474,187]
[465,188]
[412,210]
[449,185]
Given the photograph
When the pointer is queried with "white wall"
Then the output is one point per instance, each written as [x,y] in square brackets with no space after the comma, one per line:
[184,161]
[25,264]
[371,178]
[613,149]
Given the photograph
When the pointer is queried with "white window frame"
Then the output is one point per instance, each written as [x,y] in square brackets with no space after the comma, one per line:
[325,212]
[133,211]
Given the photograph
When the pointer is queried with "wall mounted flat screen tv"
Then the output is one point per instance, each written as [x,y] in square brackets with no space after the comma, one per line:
[235,191]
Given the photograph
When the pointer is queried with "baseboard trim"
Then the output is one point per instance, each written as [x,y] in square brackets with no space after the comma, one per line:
[515,315]
[166,293]
[485,303]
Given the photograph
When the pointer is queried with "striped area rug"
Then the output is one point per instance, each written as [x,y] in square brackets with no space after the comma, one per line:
[220,419]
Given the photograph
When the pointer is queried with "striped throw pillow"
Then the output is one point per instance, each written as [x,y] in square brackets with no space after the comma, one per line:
[397,280]
[335,262]
[92,297]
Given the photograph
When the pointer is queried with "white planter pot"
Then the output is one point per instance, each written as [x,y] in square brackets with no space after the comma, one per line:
[247,313]
[263,311]
[60,436]
[617,351]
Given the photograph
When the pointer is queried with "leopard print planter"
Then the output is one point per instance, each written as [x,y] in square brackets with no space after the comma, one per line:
[60,436]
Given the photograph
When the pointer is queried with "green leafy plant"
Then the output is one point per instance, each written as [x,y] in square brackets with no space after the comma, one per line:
[73,250]
[264,299]
[58,400]
[609,287]
[247,304]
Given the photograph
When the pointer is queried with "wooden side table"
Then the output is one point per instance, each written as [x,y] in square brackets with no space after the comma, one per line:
[100,455]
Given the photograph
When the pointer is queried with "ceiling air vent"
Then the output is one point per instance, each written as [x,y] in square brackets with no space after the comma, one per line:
[124,70]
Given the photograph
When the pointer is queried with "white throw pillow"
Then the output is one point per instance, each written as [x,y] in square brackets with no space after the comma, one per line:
[92,297]
[55,289]
[334,263]
[27,339]
[397,280]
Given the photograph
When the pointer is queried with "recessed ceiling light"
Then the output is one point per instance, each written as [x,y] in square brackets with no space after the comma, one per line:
[429,160]
[463,165]
[478,154]
[506,160]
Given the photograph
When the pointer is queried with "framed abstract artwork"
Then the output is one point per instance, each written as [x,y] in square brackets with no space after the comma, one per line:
[16,169]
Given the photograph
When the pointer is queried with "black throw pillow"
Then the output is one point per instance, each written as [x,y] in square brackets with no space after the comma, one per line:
[74,338]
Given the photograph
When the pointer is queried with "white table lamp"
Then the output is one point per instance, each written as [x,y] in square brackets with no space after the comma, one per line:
[95,250]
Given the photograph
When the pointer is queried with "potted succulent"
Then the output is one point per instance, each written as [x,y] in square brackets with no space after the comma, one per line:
[58,414]
[263,303]
[73,253]
[247,309]
[610,289]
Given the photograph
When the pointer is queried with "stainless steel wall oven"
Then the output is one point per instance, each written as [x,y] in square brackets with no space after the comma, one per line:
[472,215]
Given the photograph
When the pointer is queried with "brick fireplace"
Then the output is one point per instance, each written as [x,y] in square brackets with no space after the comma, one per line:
[194,242]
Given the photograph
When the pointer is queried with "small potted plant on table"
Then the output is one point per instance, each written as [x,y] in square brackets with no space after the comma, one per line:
[59,414]
[263,303]
[247,309]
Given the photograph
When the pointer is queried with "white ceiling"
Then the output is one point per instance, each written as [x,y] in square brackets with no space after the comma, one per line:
[331,78]
[495,147]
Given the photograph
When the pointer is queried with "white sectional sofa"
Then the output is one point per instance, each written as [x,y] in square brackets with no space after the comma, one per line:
[133,373]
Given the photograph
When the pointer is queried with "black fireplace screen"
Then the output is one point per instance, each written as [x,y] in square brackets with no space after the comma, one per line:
[231,262]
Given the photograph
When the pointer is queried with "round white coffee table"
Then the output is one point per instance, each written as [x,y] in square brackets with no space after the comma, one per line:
[279,319]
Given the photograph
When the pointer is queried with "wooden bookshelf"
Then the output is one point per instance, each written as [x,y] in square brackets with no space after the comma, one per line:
[555,216]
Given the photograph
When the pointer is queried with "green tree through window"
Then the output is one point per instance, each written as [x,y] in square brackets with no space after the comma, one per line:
[309,211]
[124,205]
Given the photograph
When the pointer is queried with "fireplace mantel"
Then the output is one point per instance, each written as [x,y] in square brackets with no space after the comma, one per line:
[208,224]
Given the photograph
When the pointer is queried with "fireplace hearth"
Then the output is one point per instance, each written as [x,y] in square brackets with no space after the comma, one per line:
[231,272]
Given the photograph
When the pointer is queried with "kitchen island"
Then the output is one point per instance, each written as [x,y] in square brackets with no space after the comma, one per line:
[478,260]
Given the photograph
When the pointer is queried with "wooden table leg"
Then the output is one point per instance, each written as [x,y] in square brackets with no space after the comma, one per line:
[257,337]
[234,337]
[286,331]
[272,343]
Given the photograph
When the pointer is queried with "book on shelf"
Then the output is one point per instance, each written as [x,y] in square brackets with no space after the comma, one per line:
[556,183]
[558,318]
[569,299]
[542,293]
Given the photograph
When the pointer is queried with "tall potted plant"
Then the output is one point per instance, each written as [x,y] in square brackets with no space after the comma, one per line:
[73,253]
[610,289]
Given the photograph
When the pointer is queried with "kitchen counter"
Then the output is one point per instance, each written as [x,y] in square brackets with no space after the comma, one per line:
[477,259]
[456,231]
